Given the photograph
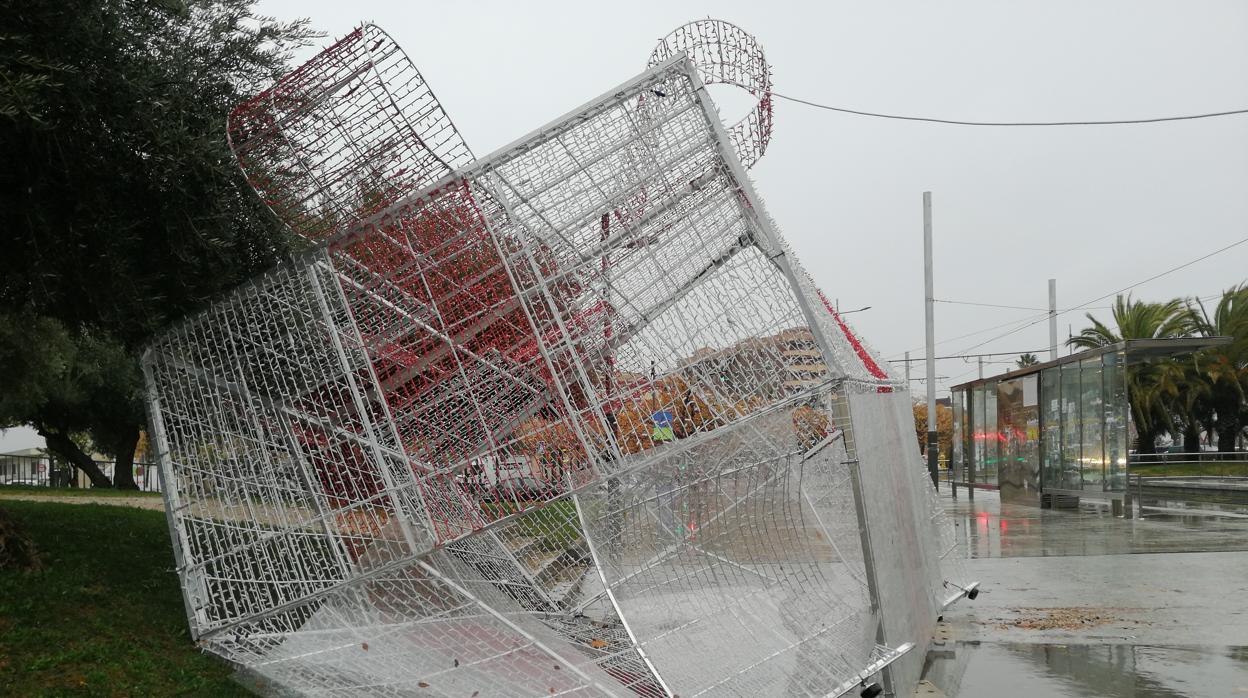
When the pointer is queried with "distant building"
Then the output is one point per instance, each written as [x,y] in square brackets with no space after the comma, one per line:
[768,367]
[802,359]
[27,466]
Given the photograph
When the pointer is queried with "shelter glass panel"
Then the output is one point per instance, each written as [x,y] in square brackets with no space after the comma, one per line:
[1070,476]
[979,432]
[1092,418]
[1051,423]
[1115,412]
[959,430]
[1018,468]
[992,437]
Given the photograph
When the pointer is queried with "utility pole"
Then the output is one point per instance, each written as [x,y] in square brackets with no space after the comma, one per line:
[929,302]
[1052,319]
[907,372]
[981,366]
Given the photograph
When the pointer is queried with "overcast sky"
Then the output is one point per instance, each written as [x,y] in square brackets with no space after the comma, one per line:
[1098,208]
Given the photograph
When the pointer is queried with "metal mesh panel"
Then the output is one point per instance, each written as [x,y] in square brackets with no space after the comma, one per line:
[567,420]
[727,54]
[893,481]
[355,125]
[737,542]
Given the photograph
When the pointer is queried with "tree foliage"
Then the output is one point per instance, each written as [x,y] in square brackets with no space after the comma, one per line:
[1224,369]
[1136,320]
[1185,395]
[73,386]
[122,207]
[1145,382]
[944,427]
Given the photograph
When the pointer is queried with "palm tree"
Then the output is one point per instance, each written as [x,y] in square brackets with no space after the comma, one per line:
[1185,393]
[1026,360]
[1225,368]
[1136,320]
[1146,387]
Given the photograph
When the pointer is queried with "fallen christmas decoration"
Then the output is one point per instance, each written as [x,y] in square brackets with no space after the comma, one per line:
[570,418]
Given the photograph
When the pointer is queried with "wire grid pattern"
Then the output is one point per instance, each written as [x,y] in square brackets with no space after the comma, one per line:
[726,54]
[860,364]
[352,128]
[531,430]
[896,481]
[739,543]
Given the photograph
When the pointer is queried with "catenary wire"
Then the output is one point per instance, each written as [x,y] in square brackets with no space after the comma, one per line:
[959,122]
[1085,304]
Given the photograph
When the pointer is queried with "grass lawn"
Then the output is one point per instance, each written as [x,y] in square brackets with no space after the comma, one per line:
[555,524]
[105,616]
[1222,468]
[76,492]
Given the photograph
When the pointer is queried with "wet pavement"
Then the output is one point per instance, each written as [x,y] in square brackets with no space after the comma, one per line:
[1079,603]
[992,529]
[1108,671]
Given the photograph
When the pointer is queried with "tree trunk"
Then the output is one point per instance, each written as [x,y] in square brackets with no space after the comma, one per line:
[1226,409]
[1191,438]
[65,447]
[1227,431]
[1146,442]
[123,471]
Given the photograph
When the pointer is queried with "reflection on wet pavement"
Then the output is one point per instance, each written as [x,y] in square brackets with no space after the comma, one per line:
[1112,671]
[990,528]
[1077,602]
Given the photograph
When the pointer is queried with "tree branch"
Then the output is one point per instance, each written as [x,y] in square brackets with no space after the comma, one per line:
[65,447]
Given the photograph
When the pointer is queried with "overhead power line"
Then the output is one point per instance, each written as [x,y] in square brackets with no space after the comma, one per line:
[959,122]
[1085,304]
[989,305]
[1060,311]
[972,334]
[971,356]
[1011,307]
[1171,270]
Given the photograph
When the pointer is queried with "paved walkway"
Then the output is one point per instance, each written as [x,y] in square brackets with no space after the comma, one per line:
[993,529]
[144,502]
[1151,598]
[1154,606]
[1082,575]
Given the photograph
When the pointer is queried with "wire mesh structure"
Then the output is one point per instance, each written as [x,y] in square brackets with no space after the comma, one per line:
[351,129]
[566,420]
[726,54]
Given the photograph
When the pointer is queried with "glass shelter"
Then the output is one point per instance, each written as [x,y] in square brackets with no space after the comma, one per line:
[1054,431]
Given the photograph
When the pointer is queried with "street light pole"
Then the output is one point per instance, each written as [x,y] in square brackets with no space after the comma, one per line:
[929,302]
[1052,319]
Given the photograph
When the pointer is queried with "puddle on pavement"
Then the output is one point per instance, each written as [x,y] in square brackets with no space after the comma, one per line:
[1181,509]
[983,670]
[989,528]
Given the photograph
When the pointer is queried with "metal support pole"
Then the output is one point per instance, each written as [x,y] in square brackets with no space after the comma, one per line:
[195,594]
[907,372]
[968,444]
[768,241]
[981,367]
[932,441]
[1052,319]
[615,507]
